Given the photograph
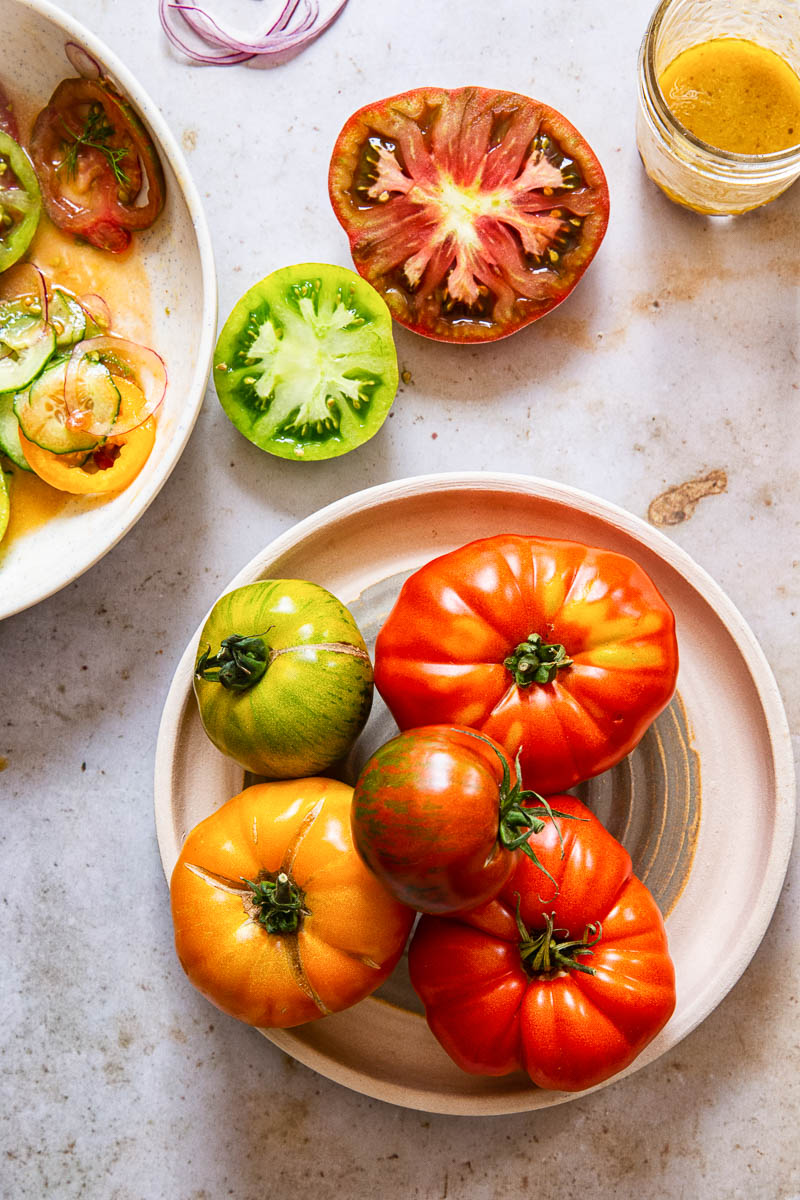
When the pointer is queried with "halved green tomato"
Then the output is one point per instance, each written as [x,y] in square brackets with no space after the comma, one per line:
[473,212]
[305,366]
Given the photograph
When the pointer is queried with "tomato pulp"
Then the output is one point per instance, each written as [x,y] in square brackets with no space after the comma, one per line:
[473,212]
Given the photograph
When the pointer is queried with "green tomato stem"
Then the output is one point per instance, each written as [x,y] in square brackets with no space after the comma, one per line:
[535,661]
[277,903]
[543,955]
[516,823]
[241,662]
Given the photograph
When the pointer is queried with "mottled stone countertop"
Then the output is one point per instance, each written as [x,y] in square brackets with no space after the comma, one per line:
[675,360]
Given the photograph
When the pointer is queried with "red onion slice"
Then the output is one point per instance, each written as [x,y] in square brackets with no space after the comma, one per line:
[23,306]
[298,23]
[82,61]
[127,362]
[96,310]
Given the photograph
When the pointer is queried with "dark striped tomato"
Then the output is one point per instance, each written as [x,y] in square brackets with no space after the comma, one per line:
[473,212]
[438,820]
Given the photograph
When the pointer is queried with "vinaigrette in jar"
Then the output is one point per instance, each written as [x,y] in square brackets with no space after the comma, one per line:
[735,95]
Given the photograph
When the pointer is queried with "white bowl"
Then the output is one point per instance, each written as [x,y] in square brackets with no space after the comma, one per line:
[176,257]
[705,804]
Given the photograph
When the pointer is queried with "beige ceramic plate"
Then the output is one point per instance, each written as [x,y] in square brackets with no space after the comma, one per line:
[167,283]
[705,804]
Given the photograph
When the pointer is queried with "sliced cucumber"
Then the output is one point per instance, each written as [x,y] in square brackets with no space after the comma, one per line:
[9,432]
[18,368]
[21,324]
[67,317]
[43,414]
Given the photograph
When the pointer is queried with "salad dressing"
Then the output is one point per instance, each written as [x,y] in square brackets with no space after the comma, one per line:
[33,503]
[735,95]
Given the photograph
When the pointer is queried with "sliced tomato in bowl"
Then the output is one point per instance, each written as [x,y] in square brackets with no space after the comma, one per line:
[473,212]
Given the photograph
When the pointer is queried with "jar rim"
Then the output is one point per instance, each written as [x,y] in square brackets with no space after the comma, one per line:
[647,61]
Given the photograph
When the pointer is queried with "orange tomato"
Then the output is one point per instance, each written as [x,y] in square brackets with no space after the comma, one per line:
[277,920]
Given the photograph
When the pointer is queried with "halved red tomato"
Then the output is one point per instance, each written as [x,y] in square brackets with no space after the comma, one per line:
[473,212]
[99,171]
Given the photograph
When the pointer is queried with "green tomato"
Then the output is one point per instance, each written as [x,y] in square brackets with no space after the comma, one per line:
[20,201]
[305,366]
[282,678]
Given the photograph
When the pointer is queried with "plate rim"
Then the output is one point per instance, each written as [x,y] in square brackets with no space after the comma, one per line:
[755,661]
[75,29]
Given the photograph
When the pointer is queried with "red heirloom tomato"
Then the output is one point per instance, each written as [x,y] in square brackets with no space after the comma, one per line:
[436,818]
[99,171]
[561,652]
[473,212]
[277,920]
[570,988]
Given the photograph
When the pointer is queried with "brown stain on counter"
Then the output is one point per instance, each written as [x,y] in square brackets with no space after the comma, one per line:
[677,504]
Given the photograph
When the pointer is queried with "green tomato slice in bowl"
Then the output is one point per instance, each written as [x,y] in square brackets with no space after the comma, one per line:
[305,366]
[283,678]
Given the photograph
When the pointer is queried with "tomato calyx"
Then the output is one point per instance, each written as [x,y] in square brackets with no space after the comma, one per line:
[277,904]
[516,823]
[544,956]
[536,661]
[240,663]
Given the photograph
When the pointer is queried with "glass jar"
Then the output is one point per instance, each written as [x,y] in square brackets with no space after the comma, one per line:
[687,169]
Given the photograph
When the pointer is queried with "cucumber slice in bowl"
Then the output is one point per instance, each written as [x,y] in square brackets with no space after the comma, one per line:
[67,317]
[9,433]
[305,366]
[19,367]
[43,414]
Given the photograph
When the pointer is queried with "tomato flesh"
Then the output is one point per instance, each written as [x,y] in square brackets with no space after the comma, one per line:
[305,366]
[473,212]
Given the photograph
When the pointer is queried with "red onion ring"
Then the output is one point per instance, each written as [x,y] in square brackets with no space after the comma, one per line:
[82,61]
[96,310]
[287,34]
[127,360]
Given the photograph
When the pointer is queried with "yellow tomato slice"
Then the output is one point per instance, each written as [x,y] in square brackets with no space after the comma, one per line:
[82,479]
